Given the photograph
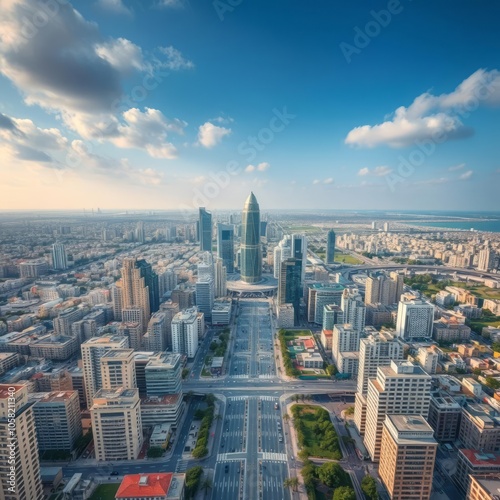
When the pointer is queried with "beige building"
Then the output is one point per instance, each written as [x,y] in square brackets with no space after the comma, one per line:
[484,487]
[407,456]
[480,428]
[399,389]
[25,483]
[116,424]
[135,293]
[118,369]
[92,352]
[378,349]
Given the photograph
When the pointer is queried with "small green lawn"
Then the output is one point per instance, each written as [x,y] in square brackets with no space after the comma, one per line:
[478,324]
[312,439]
[347,259]
[293,334]
[105,492]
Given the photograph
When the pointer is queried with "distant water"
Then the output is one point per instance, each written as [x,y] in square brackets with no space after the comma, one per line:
[487,225]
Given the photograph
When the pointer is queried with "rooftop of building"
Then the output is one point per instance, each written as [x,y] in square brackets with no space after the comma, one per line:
[167,399]
[152,485]
[334,287]
[488,415]
[164,360]
[327,333]
[53,340]
[7,355]
[491,485]
[105,339]
[118,354]
[4,390]
[52,397]
[119,392]
[406,424]
[478,458]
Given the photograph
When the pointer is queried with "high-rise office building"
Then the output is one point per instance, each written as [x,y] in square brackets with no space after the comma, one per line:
[117,301]
[205,230]
[318,296]
[187,327]
[399,284]
[225,245]
[280,253]
[299,252]
[415,318]
[139,233]
[205,286]
[170,309]
[382,289]
[132,326]
[401,388]
[407,456]
[289,288]
[251,253]
[332,315]
[59,257]
[345,347]
[92,352]
[57,419]
[19,480]
[117,424]
[375,350]
[157,332]
[354,309]
[220,278]
[118,369]
[163,374]
[135,293]
[330,247]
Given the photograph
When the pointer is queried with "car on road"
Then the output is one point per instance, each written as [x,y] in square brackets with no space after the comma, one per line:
[226,468]
[114,473]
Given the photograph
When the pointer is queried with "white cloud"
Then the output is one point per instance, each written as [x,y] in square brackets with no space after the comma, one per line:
[249,168]
[431,116]
[114,6]
[316,181]
[122,54]
[456,167]
[175,60]
[261,167]
[328,181]
[377,171]
[466,175]
[172,4]
[209,135]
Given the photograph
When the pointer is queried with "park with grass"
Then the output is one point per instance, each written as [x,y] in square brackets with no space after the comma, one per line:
[218,348]
[105,492]
[315,432]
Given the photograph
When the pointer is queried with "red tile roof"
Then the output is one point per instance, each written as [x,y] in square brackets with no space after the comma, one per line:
[155,485]
[328,333]
[477,458]
[309,343]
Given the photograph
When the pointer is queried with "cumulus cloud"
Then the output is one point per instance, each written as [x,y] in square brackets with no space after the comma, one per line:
[431,116]
[114,6]
[261,167]
[172,4]
[377,171]
[122,54]
[209,135]
[68,68]
[466,175]
[329,180]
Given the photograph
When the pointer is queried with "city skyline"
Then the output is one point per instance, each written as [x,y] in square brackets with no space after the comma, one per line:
[375,107]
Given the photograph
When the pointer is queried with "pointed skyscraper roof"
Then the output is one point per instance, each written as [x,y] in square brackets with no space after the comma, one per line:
[251,200]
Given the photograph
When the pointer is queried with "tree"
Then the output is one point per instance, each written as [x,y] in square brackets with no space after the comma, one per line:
[344,493]
[206,485]
[286,417]
[350,410]
[193,476]
[496,346]
[155,452]
[492,383]
[210,399]
[200,452]
[291,482]
[303,454]
[369,487]
[332,474]
[331,370]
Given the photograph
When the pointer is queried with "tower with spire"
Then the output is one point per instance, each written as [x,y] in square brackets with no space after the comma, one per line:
[251,253]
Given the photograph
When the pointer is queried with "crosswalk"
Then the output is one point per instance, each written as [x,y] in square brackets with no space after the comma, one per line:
[245,398]
[225,457]
[240,376]
[267,375]
[182,466]
[274,457]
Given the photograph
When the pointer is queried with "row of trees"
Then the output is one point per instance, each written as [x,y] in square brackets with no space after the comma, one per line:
[290,370]
[201,448]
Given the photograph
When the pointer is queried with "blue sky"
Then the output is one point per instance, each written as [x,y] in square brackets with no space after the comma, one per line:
[172,104]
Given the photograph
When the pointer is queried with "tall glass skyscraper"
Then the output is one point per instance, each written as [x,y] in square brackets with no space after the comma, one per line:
[225,245]
[251,256]
[330,247]
[205,230]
